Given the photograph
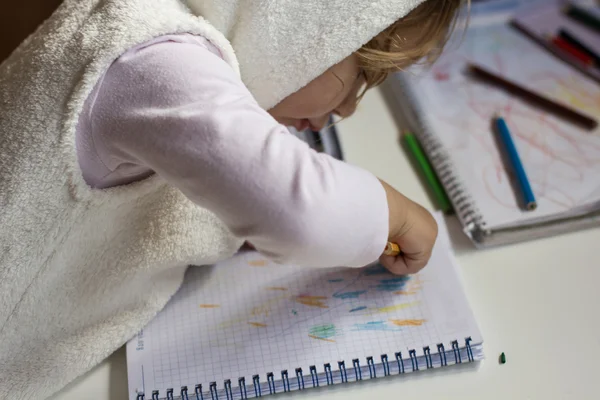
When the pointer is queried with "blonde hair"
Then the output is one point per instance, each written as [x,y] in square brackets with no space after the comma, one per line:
[418,37]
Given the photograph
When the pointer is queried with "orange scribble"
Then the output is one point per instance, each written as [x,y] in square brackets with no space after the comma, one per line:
[395,307]
[413,287]
[407,322]
[229,324]
[257,324]
[209,306]
[320,338]
[277,288]
[312,301]
[264,309]
[258,263]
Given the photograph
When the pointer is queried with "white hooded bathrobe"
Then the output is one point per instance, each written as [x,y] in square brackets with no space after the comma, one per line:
[81,269]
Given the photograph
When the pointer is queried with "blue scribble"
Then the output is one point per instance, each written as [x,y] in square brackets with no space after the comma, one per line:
[402,278]
[336,280]
[375,326]
[349,295]
[376,269]
[393,284]
[359,308]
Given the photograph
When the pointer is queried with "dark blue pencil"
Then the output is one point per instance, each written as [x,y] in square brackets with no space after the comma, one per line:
[515,161]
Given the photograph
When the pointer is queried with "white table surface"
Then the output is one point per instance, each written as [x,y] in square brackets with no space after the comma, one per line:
[539,302]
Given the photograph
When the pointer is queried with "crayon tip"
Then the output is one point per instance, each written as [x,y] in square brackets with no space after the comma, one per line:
[531,206]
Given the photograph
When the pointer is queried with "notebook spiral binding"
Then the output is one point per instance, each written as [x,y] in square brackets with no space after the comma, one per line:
[344,375]
[464,205]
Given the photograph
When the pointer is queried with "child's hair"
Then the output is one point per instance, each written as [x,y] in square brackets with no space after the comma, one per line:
[419,36]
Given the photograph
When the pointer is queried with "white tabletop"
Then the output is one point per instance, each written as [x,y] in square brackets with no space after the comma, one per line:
[539,302]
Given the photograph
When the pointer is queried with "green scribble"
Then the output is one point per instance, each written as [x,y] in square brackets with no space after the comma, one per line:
[323,331]
[294,312]
[349,295]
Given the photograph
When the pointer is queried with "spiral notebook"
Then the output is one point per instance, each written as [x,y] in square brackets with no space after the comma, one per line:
[451,115]
[325,141]
[247,328]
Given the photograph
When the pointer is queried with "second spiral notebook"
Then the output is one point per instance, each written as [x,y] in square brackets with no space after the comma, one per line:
[247,328]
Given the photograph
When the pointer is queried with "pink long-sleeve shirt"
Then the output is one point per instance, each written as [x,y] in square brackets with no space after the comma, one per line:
[173,107]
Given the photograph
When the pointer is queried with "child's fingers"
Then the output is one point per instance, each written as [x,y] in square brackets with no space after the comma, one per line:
[416,263]
[396,265]
[404,264]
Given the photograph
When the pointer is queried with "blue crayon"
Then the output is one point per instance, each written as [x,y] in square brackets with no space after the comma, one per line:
[516,164]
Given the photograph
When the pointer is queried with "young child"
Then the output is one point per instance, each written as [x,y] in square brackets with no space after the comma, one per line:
[138,137]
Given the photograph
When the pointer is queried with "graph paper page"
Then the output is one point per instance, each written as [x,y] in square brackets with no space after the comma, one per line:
[248,316]
[561,159]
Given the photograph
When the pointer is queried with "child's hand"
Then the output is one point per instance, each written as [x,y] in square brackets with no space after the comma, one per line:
[413,228]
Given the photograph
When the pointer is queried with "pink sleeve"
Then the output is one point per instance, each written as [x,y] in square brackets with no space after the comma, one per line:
[179,110]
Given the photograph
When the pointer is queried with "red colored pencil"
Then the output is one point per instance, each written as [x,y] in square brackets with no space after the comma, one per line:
[556,52]
[572,50]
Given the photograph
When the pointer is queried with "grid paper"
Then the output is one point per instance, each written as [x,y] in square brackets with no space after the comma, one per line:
[247,316]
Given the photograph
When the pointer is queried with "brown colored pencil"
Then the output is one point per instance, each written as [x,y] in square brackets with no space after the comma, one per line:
[551,106]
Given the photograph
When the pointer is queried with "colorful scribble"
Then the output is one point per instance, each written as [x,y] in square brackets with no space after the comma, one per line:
[393,284]
[413,286]
[264,309]
[320,338]
[312,301]
[349,295]
[395,307]
[374,326]
[371,291]
[209,306]
[407,322]
[323,332]
[258,263]
[376,269]
[257,324]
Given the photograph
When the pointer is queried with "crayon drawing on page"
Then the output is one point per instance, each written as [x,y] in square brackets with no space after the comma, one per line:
[561,159]
[336,303]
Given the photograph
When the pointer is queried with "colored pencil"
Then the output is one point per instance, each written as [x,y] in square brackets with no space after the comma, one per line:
[556,52]
[578,44]
[431,178]
[515,163]
[572,50]
[391,249]
[583,16]
[537,99]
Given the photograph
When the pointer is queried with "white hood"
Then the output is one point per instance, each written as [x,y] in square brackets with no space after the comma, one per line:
[282,45]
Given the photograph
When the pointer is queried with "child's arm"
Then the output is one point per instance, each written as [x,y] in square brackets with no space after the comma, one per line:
[181,111]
